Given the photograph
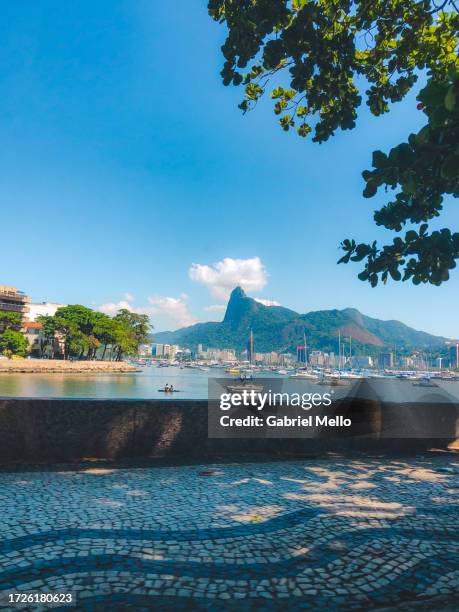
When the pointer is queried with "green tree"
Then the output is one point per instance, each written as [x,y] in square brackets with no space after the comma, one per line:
[10,320]
[75,324]
[104,330]
[81,332]
[312,55]
[13,343]
[48,333]
[131,330]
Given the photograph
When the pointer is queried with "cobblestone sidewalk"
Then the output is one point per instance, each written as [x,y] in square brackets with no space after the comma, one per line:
[334,534]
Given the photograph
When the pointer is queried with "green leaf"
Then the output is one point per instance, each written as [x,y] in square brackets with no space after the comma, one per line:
[450,167]
[370,189]
[423,135]
[379,159]
[450,99]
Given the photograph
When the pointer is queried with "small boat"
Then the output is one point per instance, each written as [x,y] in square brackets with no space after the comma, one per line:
[169,391]
[232,371]
[304,375]
[335,381]
[240,387]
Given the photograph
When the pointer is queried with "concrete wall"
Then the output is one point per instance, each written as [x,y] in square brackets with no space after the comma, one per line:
[54,430]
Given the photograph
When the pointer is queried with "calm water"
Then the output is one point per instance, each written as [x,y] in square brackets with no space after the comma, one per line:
[145,384]
[193,384]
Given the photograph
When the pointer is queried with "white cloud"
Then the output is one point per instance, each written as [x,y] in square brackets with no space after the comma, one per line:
[128,297]
[267,302]
[225,275]
[172,311]
[215,308]
[111,308]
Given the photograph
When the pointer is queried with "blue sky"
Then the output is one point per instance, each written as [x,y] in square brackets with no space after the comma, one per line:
[124,161]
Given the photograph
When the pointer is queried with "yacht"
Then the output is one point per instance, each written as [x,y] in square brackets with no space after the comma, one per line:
[305,375]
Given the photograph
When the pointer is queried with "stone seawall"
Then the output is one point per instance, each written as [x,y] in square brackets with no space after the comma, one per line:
[54,430]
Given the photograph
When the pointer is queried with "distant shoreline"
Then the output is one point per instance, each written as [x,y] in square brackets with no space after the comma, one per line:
[58,366]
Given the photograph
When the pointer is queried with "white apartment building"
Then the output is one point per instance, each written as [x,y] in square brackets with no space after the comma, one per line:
[42,309]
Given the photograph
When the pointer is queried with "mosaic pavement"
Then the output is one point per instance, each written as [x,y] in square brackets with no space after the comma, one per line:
[335,534]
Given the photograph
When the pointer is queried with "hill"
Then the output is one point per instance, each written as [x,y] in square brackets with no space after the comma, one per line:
[281,329]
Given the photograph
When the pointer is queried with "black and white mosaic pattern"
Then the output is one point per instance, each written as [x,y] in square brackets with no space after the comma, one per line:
[329,534]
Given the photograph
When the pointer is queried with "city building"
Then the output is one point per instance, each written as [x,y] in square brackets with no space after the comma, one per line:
[145,350]
[214,354]
[361,361]
[157,350]
[407,362]
[386,361]
[42,309]
[13,300]
[272,358]
[32,331]
[167,351]
[301,354]
[286,359]
[317,358]
[454,355]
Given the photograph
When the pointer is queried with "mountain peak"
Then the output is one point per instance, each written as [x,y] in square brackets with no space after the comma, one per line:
[238,305]
[279,329]
[237,292]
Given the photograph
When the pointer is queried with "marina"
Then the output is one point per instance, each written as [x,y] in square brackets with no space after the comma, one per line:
[148,380]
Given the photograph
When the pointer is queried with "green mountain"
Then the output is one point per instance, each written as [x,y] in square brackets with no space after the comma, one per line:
[279,329]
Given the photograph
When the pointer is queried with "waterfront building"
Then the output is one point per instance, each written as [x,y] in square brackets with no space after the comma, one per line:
[182,354]
[407,362]
[214,354]
[32,331]
[301,354]
[361,361]
[272,358]
[13,300]
[286,359]
[317,358]
[454,355]
[167,351]
[386,361]
[228,355]
[157,350]
[172,350]
[145,350]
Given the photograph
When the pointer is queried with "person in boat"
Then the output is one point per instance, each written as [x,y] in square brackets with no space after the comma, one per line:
[167,388]
[171,388]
